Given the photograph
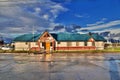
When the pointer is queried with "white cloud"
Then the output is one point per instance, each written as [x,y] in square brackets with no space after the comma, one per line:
[27,20]
[95,24]
[55,9]
[98,25]
[37,10]
[79,16]
[113,30]
[58,7]
[16,29]
[46,17]
[62,30]
[38,13]
[103,19]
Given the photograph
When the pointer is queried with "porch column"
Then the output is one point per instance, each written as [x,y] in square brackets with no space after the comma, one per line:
[53,45]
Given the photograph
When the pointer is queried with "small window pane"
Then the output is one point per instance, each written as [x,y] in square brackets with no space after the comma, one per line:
[93,43]
[77,43]
[43,43]
[51,44]
[58,42]
[26,43]
[69,44]
[85,43]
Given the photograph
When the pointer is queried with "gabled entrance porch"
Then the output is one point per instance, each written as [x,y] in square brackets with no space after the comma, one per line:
[47,41]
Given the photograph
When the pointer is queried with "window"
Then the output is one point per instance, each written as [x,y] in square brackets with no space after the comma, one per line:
[77,43]
[36,43]
[85,43]
[26,43]
[58,42]
[69,44]
[93,43]
[43,43]
[50,43]
[46,35]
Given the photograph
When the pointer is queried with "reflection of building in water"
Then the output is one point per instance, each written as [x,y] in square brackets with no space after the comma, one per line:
[60,41]
[48,57]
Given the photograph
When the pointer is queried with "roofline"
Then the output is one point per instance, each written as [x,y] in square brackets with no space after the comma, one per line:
[49,33]
[70,40]
[24,41]
[60,40]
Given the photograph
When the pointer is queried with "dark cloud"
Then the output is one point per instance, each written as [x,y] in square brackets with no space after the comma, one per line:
[58,27]
[69,28]
[84,30]
[76,26]
[105,33]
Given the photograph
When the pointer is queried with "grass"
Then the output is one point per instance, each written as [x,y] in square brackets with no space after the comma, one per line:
[13,51]
[108,50]
[113,49]
[86,51]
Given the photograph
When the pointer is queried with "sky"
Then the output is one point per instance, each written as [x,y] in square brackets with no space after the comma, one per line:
[25,16]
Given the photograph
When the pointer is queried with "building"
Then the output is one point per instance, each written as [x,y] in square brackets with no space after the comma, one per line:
[59,42]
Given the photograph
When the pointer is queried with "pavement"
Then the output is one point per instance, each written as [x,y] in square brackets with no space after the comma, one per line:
[59,66]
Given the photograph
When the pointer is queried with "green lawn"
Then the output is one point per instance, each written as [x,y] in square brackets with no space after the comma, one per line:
[108,50]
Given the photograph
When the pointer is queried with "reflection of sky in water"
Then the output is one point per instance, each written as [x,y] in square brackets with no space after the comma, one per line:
[59,67]
[113,69]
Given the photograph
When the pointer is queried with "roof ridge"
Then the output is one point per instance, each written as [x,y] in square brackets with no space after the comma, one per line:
[61,37]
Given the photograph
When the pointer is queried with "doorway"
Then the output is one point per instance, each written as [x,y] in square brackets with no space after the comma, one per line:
[47,46]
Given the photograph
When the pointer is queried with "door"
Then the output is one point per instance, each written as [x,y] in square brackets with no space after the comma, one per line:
[47,46]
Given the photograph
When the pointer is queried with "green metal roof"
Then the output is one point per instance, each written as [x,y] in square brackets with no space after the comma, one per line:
[97,37]
[72,37]
[77,37]
[27,38]
[60,37]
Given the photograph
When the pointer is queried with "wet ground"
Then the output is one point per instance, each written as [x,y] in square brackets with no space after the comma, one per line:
[60,67]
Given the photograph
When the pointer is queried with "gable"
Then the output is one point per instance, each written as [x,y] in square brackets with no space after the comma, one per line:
[46,36]
[91,40]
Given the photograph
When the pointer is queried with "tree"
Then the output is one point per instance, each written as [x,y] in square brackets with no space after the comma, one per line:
[1,42]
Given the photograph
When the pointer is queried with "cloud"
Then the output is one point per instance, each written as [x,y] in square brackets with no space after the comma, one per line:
[21,16]
[70,28]
[97,23]
[102,25]
[46,17]
[79,16]
[113,30]
[59,27]
[37,10]
[56,9]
